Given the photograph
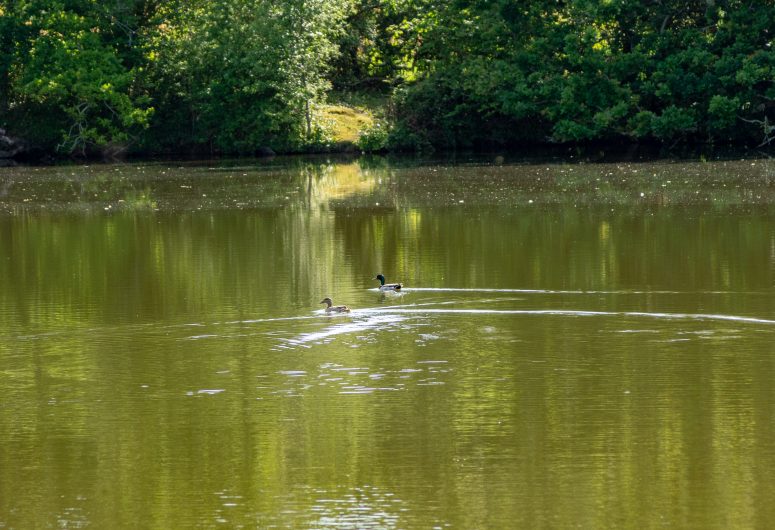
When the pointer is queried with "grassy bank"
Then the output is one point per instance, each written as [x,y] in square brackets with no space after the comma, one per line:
[352,120]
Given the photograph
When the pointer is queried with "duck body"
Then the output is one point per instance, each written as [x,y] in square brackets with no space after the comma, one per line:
[331,308]
[387,286]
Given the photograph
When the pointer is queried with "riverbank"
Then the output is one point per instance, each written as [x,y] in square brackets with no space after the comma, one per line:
[348,123]
[355,123]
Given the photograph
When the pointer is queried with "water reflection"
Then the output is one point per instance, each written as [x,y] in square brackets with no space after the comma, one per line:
[576,345]
[366,507]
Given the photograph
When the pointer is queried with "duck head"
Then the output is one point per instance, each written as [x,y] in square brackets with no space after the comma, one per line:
[326,301]
[380,278]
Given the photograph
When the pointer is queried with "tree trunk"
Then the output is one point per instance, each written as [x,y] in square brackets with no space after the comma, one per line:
[309,119]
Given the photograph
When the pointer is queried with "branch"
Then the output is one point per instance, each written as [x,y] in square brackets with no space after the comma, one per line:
[75,139]
[767,129]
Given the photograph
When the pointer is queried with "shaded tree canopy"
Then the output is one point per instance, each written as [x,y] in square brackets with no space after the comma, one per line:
[231,76]
[498,71]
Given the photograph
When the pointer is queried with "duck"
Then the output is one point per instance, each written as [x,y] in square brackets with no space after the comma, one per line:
[387,286]
[331,308]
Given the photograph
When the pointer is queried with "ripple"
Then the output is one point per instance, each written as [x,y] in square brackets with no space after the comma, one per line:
[370,323]
[205,336]
[570,291]
[362,507]
[208,391]
[572,312]
[349,380]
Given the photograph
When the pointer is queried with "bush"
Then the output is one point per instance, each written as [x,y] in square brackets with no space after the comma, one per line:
[722,113]
[374,139]
[673,123]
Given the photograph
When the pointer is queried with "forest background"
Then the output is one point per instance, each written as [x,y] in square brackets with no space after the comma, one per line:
[247,77]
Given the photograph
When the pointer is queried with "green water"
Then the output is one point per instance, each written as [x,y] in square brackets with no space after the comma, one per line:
[576,345]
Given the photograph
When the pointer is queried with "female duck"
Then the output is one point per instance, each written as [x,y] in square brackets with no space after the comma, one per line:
[331,308]
[387,286]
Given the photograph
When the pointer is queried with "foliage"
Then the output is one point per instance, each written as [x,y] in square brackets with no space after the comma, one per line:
[379,48]
[374,138]
[235,76]
[232,76]
[500,72]
[221,76]
[64,82]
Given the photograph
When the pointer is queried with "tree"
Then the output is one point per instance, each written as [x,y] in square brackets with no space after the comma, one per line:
[231,76]
[379,48]
[500,72]
[65,84]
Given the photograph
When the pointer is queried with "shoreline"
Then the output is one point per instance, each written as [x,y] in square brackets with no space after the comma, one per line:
[577,153]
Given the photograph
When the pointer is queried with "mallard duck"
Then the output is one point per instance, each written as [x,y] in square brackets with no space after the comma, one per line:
[387,286]
[331,308]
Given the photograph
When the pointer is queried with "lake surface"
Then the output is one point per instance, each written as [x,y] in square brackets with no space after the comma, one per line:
[576,345]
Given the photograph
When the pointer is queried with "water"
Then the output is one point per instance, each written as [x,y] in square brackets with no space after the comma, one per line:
[577,345]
